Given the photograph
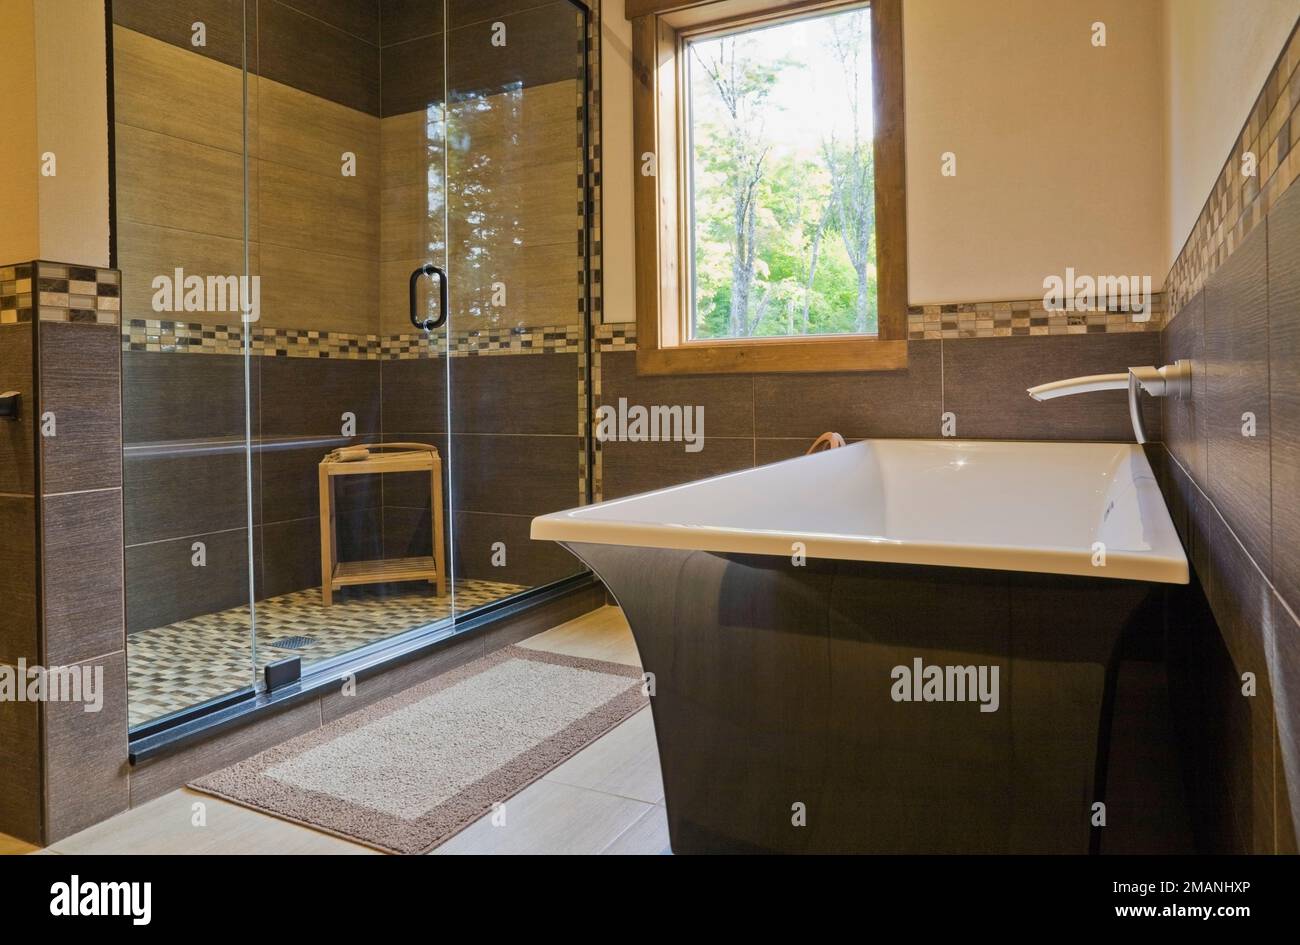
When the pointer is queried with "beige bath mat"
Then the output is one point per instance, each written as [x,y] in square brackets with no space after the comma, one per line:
[410,771]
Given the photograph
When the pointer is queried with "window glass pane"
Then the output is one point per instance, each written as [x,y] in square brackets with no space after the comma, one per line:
[782,199]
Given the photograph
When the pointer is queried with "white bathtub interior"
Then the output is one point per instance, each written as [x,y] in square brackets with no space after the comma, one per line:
[1074,508]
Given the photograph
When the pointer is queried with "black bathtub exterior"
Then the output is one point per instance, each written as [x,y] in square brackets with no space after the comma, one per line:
[771,693]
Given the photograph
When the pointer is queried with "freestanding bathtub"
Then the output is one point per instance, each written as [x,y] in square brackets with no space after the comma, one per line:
[896,646]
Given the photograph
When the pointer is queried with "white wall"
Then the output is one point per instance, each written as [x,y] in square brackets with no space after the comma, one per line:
[1058,146]
[1218,54]
[72,122]
[19,239]
[55,97]
[618,276]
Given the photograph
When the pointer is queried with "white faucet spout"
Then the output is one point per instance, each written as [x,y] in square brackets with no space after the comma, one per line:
[1172,380]
[1079,385]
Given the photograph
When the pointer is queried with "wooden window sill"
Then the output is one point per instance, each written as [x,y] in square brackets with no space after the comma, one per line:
[774,356]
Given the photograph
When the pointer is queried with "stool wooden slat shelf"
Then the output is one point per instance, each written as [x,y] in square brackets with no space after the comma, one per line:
[369,460]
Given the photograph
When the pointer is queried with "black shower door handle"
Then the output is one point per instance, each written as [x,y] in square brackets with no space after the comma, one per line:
[429,324]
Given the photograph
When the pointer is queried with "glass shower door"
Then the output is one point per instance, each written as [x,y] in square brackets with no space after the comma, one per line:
[517,211]
[398,188]
[182,140]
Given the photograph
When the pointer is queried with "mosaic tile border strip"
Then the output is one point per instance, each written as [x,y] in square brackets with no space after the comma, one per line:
[1239,203]
[616,336]
[179,337]
[59,292]
[590,228]
[1020,318]
[967,320]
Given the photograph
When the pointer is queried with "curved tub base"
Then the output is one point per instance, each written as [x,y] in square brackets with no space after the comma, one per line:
[777,700]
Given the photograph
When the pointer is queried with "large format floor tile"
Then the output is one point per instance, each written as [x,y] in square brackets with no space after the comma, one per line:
[168,826]
[606,799]
[547,817]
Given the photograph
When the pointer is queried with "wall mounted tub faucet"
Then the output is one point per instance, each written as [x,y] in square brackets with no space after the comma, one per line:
[1172,380]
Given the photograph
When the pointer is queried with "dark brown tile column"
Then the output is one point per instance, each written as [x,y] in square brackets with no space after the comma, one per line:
[62,768]
[79,383]
[20,755]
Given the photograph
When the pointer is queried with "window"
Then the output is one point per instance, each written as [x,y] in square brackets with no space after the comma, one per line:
[770,214]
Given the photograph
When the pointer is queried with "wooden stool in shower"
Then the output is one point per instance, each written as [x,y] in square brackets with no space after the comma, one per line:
[369,459]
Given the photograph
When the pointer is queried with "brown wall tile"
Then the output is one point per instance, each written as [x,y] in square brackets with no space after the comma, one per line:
[162,586]
[316,57]
[1286,689]
[630,468]
[289,556]
[984,382]
[528,562]
[358,17]
[515,394]
[1236,358]
[21,812]
[1184,419]
[147,250]
[172,23]
[893,403]
[415,395]
[1240,599]
[291,487]
[166,181]
[80,384]
[171,492]
[1284,391]
[185,397]
[82,575]
[412,490]
[86,755]
[168,89]
[775,450]
[401,20]
[541,47]
[308,397]
[412,75]
[515,475]
[18,437]
[18,622]
[728,400]
[317,213]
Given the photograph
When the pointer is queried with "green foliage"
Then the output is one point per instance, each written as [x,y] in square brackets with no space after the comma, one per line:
[791,213]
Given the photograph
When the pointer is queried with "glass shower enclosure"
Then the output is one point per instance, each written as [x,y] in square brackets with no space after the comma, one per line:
[355,257]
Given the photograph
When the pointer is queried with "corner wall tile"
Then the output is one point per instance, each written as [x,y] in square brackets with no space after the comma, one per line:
[984,382]
[1284,391]
[82,575]
[18,438]
[86,755]
[1184,419]
[1236,360]
[80,384]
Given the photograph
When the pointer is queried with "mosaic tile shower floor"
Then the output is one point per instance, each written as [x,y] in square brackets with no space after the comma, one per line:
[185,663]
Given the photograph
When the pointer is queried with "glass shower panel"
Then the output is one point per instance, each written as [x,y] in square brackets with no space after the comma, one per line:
[355,450]
[518,266]
[354,545]
[180,97]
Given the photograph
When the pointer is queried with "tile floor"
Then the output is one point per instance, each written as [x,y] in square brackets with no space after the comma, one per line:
[183,664]
[606,799]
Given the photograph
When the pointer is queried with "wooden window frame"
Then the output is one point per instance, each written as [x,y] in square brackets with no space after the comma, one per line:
[659,28]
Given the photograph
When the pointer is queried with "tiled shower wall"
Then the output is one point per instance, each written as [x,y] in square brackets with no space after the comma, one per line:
[1233,483]
[334,255]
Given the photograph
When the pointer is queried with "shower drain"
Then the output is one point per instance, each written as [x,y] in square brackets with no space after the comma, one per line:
[292,643]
